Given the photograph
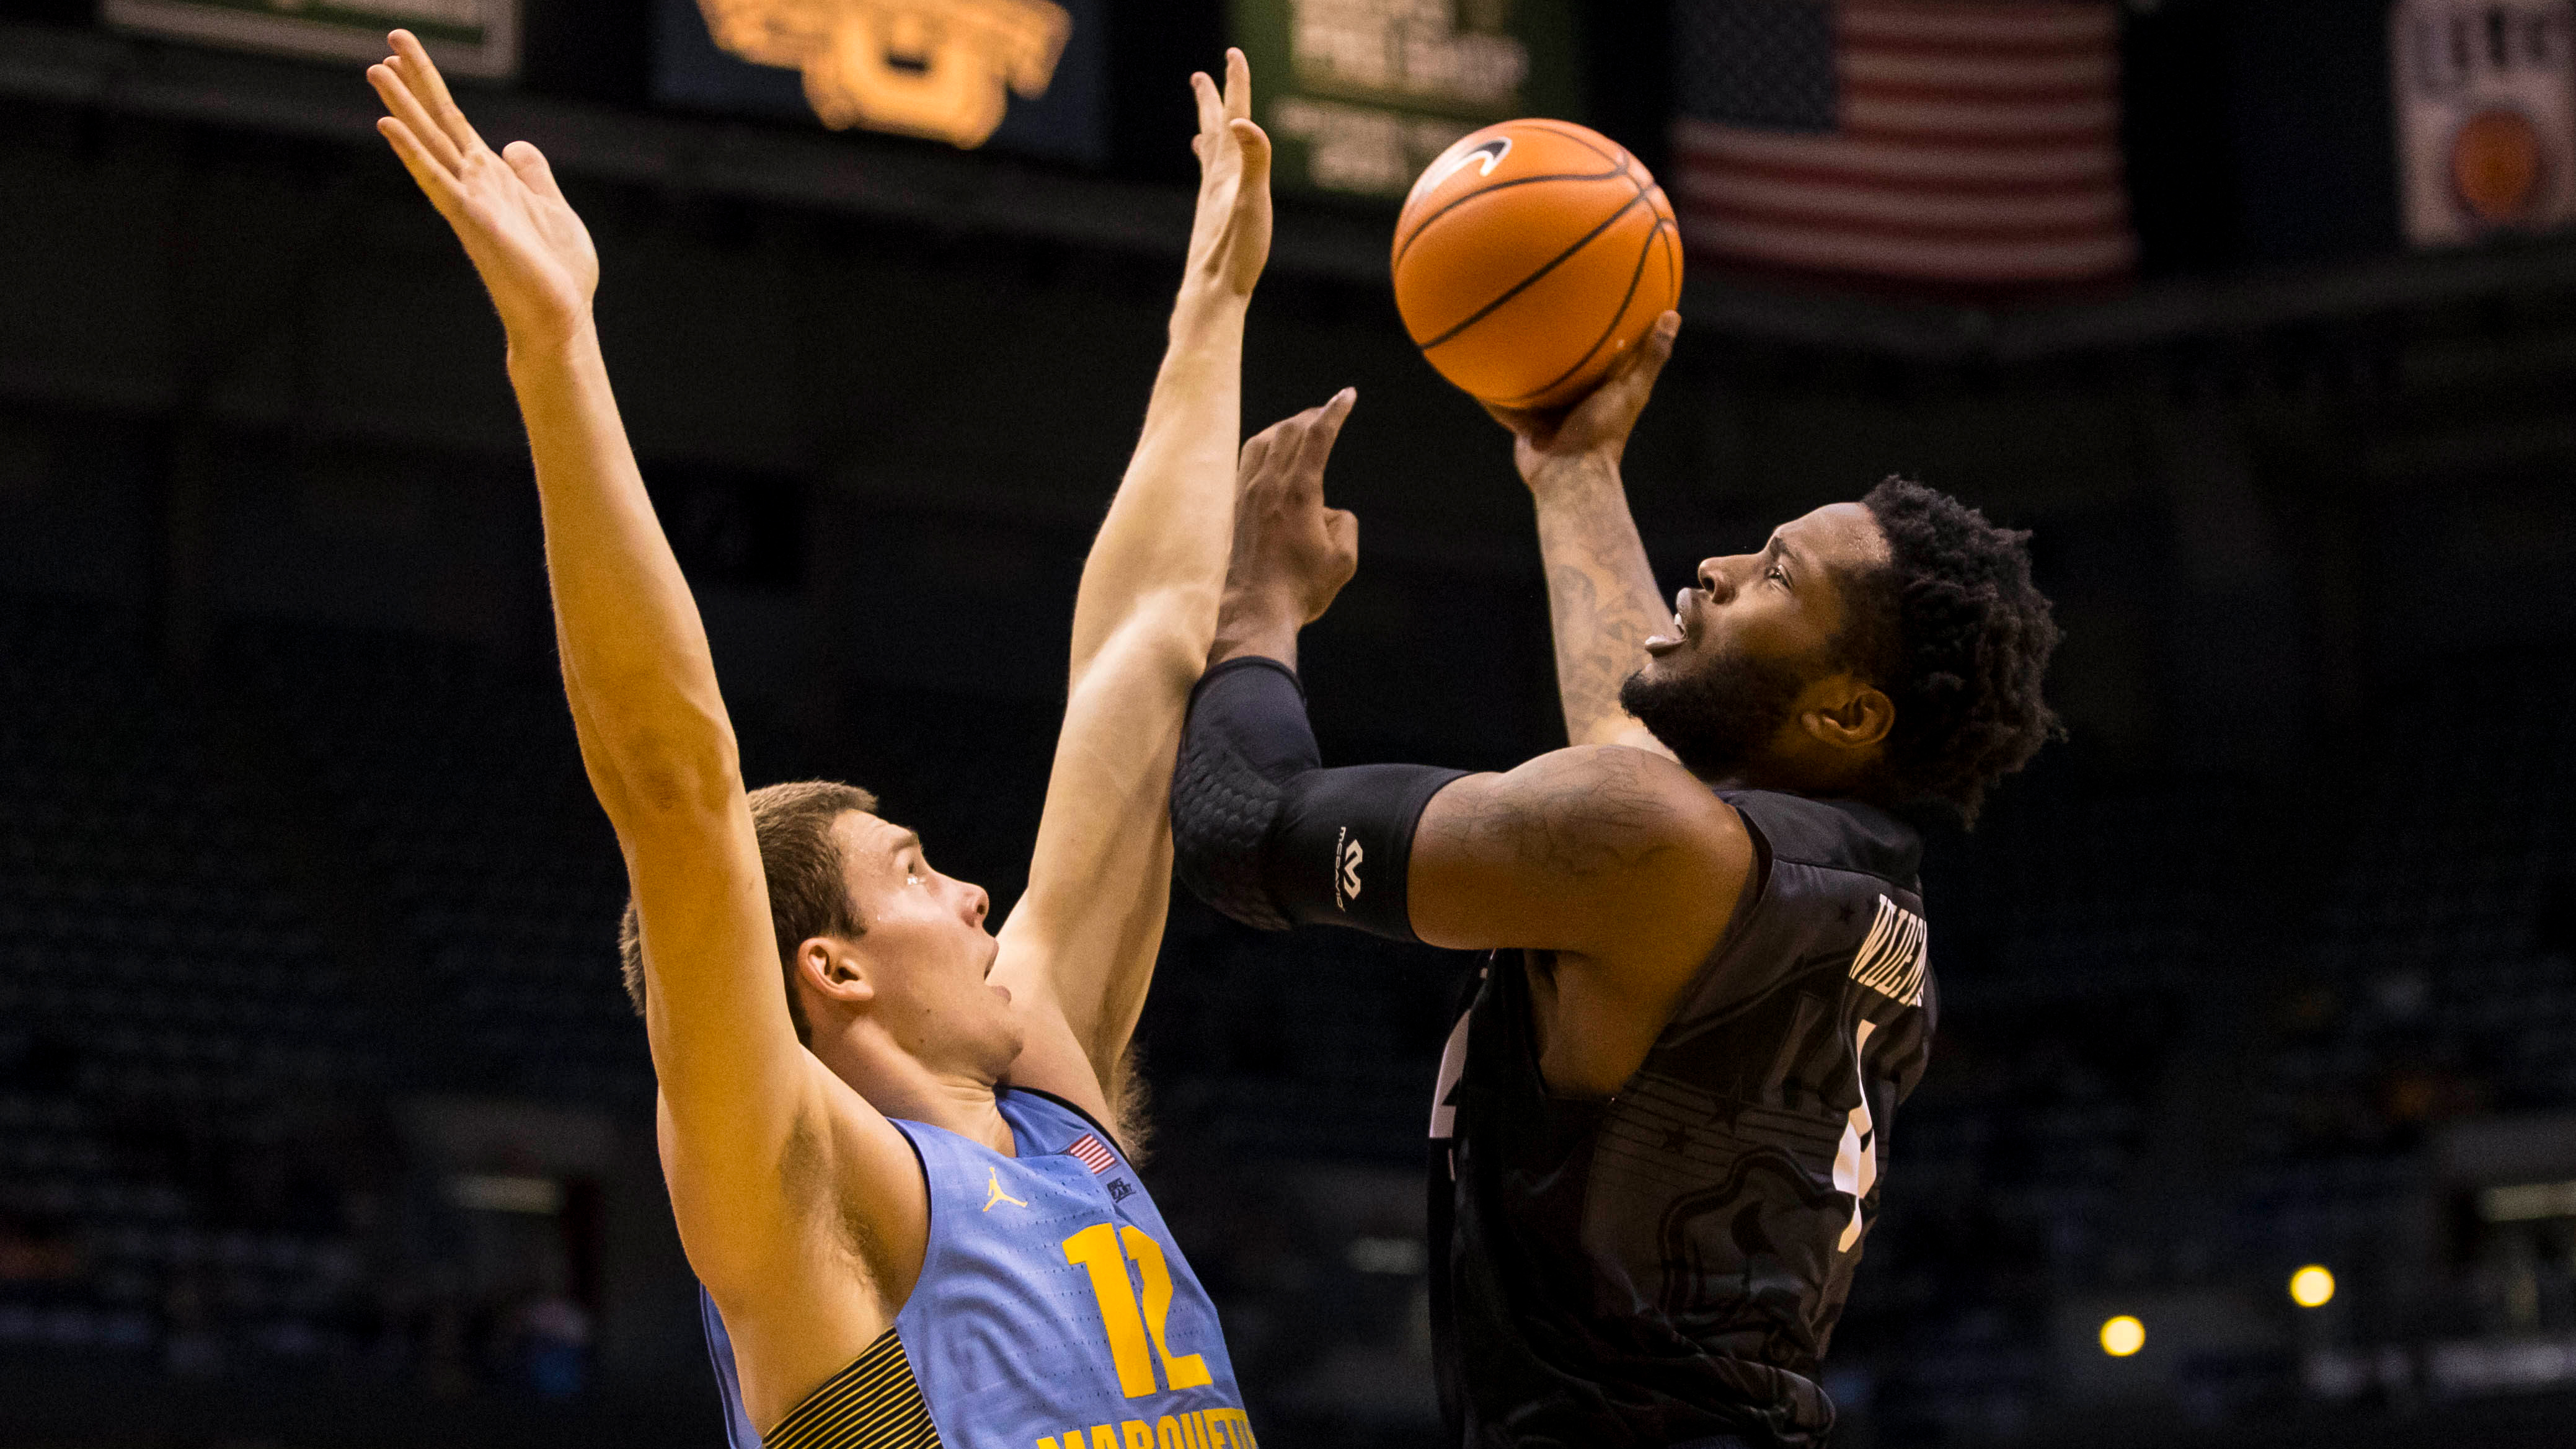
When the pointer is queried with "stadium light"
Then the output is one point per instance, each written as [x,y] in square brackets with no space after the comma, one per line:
[2123,1336]
[2312,1286]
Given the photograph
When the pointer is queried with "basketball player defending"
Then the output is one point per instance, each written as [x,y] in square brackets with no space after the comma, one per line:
[1659,1122]
[893,1175]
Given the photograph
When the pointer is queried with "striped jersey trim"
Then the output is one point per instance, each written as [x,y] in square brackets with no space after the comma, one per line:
[875,1403]
[1891,961]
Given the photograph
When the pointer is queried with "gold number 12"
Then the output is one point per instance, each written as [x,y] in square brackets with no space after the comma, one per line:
[1096,1248]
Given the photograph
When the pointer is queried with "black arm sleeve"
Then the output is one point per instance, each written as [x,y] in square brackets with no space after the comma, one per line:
[1267,835]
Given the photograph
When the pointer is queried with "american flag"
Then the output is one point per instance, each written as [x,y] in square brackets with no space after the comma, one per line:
[1958,143]
[1093,1154]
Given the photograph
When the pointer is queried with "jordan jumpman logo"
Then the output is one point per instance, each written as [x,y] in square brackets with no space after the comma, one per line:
[998,1196]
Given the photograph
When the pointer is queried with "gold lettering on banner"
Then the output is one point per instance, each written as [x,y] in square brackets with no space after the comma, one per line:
[938,68]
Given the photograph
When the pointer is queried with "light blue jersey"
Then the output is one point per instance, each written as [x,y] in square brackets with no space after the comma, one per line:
[1053,1312]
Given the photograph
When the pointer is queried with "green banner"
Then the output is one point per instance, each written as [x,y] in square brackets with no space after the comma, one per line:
[468,37]
[1359,95]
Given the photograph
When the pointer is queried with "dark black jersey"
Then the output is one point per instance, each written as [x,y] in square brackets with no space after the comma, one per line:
[1667,1265]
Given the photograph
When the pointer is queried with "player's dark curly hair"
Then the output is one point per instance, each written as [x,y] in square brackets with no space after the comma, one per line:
[1955,632]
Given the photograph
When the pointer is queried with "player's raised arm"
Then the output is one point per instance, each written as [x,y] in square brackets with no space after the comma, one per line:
[1079,948]
[653,730]
[1563,853]
[1601,596]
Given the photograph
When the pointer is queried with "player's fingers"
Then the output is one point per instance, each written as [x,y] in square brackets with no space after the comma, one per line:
[434,180]
[1327,425]
[1238,84]
[1211,105]
[1256,450]
[1342,531]
[406,107]
[1255,144]
[1633,376]
[1317,427]
[530,163]
[431,87]
[1657,347]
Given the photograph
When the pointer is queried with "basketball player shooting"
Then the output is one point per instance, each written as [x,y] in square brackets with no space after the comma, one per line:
[1659,1121]
[892,1175]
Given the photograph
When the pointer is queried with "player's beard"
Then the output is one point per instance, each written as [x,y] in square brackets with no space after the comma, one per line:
[1717,718]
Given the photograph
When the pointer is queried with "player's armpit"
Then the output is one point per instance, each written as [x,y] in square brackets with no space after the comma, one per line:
[811,1259]
[739,1092]
[1603,850]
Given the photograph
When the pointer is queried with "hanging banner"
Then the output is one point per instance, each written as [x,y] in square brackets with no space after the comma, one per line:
[465,37]
[1019,75]
[2486,117]
[1359,95]
[1945,144]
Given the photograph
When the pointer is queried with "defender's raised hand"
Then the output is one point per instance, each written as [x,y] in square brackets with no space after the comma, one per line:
[533,253]
[1230,234]
[1292,554]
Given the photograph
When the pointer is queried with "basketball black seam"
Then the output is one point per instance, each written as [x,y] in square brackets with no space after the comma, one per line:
[1419,227]
[1525,283]
[1576,134]
[1616,313]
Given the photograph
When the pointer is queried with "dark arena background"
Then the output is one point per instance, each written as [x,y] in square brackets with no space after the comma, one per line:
[323,1121]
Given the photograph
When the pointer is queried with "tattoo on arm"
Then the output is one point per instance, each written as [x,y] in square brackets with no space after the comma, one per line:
[1578,817]
[1601,598]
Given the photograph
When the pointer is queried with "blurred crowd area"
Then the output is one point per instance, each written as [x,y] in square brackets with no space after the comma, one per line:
[323,1120]
[314,1065]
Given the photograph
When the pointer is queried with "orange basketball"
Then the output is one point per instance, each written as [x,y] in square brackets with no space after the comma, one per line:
[1529,256]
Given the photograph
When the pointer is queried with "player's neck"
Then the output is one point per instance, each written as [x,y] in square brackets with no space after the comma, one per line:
[899,1084]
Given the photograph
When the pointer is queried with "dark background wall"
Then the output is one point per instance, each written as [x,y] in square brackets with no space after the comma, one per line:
[269,560]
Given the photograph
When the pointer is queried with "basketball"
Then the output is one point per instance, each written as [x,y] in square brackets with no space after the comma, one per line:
[1529,256]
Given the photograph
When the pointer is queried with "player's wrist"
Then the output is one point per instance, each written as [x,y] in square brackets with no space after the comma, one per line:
[1208,301]
[1270,604]
[1259,621]
[1253,644]
[550,341]
[1556,474]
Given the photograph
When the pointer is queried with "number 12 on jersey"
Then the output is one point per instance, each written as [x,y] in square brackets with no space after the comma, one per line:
[1098,1249]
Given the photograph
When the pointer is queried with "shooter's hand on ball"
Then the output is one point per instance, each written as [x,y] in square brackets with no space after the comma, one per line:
[1291,553]
[1230,234]
[533,253]
[1597,426]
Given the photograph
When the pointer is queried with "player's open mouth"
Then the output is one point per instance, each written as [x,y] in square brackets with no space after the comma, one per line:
[1659,645]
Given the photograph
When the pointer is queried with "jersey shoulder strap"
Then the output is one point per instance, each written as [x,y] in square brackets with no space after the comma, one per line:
[738,1430]
[1836,834]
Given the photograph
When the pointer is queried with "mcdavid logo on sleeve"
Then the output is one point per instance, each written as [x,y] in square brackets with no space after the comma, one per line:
[1346,871]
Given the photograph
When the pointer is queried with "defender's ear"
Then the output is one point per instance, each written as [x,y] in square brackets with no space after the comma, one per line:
[828,966]
[1848,714]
